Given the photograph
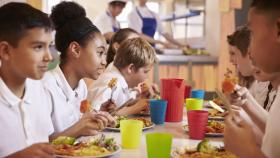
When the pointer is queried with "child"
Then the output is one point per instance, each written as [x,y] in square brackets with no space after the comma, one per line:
[263,20]
[25,38]
[83,53]
[119,37]
[133,61]
[239,56]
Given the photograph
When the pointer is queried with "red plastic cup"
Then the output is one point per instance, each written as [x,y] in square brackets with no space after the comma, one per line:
[197,120]
[188,90]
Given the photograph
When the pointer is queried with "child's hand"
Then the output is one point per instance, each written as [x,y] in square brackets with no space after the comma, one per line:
[239,137]
[89,124]
[239,97]
[135,108]
[42,150]
[108,106]
[110,120]
[149,92]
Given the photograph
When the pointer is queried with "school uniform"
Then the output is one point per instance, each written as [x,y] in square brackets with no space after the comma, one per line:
[259,91]
[25,121]
[106,23]
[65,100]
[271,139]
[100,92]
[263,93]
[145,21]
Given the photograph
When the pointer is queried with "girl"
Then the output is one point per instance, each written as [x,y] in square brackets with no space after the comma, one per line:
[118,38]
[83,52]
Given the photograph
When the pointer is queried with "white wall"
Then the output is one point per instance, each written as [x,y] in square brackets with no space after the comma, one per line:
[2,2]
[213,29]
[93,7]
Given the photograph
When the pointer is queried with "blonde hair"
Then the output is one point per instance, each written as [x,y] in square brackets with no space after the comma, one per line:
[135,51]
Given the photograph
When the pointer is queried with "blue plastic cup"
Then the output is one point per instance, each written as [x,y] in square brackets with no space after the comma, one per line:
[158,111]
[198,93]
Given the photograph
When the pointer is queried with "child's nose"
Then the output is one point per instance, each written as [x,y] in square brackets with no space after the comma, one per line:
[48,56]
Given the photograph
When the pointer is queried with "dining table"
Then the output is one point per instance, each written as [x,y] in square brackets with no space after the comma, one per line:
[180,138]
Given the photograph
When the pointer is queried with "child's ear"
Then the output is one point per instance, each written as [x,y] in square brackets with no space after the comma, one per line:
[278,29]
[75,49]
[116,46]
[4,50]
[130,68]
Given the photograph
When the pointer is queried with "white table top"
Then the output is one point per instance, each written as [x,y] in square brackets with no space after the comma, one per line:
[180,138]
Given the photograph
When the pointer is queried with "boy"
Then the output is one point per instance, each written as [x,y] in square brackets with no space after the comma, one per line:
[264,22]
[133,61]
[25,38]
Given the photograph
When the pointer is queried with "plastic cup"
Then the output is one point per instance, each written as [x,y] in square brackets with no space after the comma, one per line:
[194,104]
[187,91]
[131,131]
[198,93]
[158,145]
[158,111]
[197,121]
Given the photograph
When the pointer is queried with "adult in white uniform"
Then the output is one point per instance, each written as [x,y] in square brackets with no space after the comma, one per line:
[265,48]
[83,55]
[107,22]
[147,22]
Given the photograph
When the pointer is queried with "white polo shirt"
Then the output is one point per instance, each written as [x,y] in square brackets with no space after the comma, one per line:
[135,22]
[259,91]
[105,22]
[26,121]
[100,92]
[271,140]
[65,100]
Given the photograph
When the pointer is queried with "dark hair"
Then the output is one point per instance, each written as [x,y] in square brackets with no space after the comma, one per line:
[135,51]
[266,5]
[17,18]
[240,39]
[71,24]
[118,37]
[245,81]
[117,3]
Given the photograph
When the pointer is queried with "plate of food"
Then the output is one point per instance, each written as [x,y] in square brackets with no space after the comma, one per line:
[213,129]
[147,123]
[214,114]
[95,147]
[203,150]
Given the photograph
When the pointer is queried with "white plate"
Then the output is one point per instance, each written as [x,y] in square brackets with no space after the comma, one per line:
[186,129]
[118,129]
[174,154]
[110,155]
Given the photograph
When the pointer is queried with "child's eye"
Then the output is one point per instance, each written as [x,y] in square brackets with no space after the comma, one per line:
[101,53]
[38,47]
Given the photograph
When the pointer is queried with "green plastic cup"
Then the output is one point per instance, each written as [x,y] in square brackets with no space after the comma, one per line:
[158,145]
[194,104]
[131,131]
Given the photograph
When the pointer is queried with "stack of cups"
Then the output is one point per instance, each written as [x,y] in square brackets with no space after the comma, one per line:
[197,120]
